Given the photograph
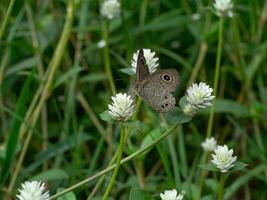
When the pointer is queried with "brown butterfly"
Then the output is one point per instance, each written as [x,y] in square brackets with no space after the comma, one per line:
[156,88]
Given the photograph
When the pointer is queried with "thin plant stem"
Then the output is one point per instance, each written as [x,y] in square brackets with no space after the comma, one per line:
[2,113]
[143,12]
[5,59]
[107,58]
[203,174]
[6,18]
[128,158]
[221,187]
[40,68]
[139,168]
[211,116]
[128,131]
[98,184]
[198,64]
[119,156]
[138,105]
[216,75]
[48,85]
[20,161]
[126,35]
[173,154]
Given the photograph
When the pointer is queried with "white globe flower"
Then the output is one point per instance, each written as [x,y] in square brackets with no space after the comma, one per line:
[122,107]
[195,16]
[172,195]
[151,60]
[110,9]
[198,96]
[101,44]
[209,144]
[33,190]
[223,7]
[223,158]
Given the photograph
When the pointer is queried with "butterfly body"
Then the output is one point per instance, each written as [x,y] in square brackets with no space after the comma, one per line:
[156,88]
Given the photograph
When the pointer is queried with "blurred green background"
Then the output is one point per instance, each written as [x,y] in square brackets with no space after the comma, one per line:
[70,142]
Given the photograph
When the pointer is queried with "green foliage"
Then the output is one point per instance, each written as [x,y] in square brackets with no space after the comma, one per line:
[50,175]
[68,196]
[139,194]
[73,137]
[17,121]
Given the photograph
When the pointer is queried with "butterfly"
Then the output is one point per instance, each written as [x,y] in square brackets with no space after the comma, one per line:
[156,88]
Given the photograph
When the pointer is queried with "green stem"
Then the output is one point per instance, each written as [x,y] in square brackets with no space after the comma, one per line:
[216,76]
[128,158]
[53,66]
[221,187]
[98,184]
[3,25]
[107,58]
[218,57]
[143,12]
[203,174]
[128,131]
[215,91]
[139,100]
[120,151]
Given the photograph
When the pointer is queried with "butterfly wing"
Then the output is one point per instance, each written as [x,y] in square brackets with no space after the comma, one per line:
[142,70]
[156,89]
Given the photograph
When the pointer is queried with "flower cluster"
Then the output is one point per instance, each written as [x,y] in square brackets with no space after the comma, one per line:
[198,96]
[33,190]
[223,7]
[151,60]
[121,108]
[110,9]
[223,158]
[172,195]
[209,144]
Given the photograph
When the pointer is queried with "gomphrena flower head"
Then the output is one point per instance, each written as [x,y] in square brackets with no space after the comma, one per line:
[223,7]
[101,44]
[209,144]
[33,190]
[121,108]
[110,9]
[151,60]
[198,96]
[172,195]
[223,158]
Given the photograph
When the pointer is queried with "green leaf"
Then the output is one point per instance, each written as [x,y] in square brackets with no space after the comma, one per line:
[52,174]
[12,141]
[57,149]
[209,167]
[238,166]
[68,196]
[66,76]
[150,137]
[106,116]
[136,124]
[179,59]
[93,77]
[22,65]
[245,178]
[139,194]
[231,107]
[177,116]
[128,71]
[183,102]
[212,167]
